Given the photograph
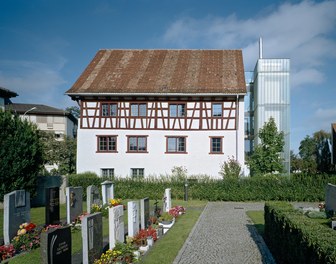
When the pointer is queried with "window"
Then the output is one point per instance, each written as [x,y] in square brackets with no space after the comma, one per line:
[177,110]
[216,145]
[138,110]
[176,144]
[138,173]
[217,110]
[137,143]
[107,144]
[107,173]
[109,110]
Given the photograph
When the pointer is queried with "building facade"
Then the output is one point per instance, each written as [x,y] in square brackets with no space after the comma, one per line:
[268,95]
[47,118]
[143,112]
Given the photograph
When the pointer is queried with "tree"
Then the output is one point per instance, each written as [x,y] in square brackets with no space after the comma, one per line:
[266,155]
[21,154]
[74,110]
[315,153]
[61,152]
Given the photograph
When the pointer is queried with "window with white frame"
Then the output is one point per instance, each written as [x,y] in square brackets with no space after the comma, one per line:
[107,172]
[176,110]
[137,172]
[139,109]
[107,143]
[176,145]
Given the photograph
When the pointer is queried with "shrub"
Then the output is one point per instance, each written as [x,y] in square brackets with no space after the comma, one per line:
[294,238]
[230,169]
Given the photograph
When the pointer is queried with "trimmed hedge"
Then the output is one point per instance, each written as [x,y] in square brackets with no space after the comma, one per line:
[294,238]
[262,188]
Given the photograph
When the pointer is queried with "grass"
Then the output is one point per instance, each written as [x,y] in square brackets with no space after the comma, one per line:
[258,219]
[164,251]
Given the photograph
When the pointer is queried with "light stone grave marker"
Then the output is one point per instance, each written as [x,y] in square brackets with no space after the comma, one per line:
[92,237]
[133,218]
[107,191]
[74,203]
[16,212]
[144,208]
[116,225]
[167,200]
[92,197]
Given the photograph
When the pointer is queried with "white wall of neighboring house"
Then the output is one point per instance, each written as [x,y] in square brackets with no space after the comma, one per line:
[197,160]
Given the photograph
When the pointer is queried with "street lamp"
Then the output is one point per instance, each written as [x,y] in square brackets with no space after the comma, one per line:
[31,109]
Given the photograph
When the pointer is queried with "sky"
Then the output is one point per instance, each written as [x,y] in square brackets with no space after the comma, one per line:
[45,45]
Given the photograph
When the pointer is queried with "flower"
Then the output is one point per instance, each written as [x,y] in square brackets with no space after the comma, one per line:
[6,251]
[115,202]
[28,237]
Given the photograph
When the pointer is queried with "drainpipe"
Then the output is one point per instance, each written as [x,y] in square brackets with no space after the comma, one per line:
[237,125]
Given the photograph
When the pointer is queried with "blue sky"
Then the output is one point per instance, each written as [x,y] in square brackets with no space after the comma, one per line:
[45,45]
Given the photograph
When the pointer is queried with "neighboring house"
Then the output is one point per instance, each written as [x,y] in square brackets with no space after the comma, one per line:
[145,111]
[5,96]
[47,118]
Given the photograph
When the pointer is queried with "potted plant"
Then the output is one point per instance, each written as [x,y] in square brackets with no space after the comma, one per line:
[166,218]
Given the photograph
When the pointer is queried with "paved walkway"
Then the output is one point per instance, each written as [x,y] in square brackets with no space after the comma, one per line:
[224,234]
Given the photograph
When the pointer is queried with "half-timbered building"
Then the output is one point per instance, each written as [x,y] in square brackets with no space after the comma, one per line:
[145,111]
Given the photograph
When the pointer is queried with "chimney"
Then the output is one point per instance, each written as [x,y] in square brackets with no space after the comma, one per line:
[260,48]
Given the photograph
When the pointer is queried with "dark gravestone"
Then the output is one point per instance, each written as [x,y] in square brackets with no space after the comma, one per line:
[56,246]
[92,237]
[52,209]
[74,203]
[144,204]
[92,197]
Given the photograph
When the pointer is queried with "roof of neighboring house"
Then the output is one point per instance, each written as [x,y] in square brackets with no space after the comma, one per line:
[119,72]
[39,109]
[5,93]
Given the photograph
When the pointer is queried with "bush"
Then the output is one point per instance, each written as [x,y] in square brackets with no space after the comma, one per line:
[294,238]
[202,187]
[230,169]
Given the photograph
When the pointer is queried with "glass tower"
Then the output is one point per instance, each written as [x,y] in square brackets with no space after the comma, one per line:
[268,95]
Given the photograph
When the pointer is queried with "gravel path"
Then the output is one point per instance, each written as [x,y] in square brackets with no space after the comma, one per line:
[225,234]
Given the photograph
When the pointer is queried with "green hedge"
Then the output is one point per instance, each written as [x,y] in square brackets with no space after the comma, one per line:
[294,238]
[262,188]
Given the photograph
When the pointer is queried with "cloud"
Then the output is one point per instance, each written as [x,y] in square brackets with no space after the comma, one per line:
[322,119]
[301,32]
[33,81]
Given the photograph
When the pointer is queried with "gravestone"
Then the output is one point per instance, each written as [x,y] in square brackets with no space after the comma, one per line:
[144,209]
[133,218]
[92,197]
[116,225]
[331,197]
[16,212]
[107,191]
[92,237]
[167,200]
[52,209]
[56,246]
[74,203]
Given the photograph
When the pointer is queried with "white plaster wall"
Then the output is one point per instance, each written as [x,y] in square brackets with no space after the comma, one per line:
[156,162]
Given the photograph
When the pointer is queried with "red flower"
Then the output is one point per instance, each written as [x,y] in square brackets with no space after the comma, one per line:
[30,226]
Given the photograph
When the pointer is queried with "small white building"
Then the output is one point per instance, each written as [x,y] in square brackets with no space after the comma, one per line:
[145,111]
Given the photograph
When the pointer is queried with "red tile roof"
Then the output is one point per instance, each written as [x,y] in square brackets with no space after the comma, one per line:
[162,72]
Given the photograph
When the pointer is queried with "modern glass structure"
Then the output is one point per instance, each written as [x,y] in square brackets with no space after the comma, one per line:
[268,95]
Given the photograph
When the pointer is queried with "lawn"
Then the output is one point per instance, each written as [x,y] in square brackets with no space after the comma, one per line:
[258,219]
[164,251]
